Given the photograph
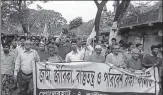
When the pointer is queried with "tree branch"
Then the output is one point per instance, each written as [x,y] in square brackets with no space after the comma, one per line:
[97,4]
[103,2]
[121,8]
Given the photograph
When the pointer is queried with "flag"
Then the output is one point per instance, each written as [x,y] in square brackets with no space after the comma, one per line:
[113,32]
[91,36]
[45,32]
[93,33]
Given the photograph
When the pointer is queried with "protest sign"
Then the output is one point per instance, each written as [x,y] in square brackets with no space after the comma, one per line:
[88,78]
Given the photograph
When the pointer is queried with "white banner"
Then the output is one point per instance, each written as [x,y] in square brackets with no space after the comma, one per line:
[88,78]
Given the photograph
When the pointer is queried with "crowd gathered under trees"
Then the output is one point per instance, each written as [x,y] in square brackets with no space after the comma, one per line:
[68,49]
[19,52]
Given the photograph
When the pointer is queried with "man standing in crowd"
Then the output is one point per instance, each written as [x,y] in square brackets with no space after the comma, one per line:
[53,52]
[104,49]
[114,41]
[160,53]
[74,55]
[7,67]
[134,62]
[14,49]
[139,46]
[116,58]
[36,43]
[63,44]
[152,59]
[23,68]
[86,49]
[42,52]
[96,56]
[21,48]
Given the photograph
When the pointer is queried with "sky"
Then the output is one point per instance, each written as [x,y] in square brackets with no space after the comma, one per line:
[72,9]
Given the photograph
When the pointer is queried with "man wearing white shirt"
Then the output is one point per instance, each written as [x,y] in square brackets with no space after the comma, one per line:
[20,48]
[86,49]
[74,55]
[23,68]
[116,58]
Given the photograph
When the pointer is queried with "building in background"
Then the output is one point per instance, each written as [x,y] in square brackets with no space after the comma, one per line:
[145,28]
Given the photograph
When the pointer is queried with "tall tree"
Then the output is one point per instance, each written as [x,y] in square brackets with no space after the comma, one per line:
[98,14]
[22,6]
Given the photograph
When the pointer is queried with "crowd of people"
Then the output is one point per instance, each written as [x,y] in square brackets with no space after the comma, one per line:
[18,56]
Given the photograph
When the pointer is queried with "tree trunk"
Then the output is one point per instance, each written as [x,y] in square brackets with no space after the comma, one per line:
[20,16]
[121,9]
[98,16]
[97,21]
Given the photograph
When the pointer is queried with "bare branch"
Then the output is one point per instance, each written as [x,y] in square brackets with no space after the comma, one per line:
[103,3]
[97,4]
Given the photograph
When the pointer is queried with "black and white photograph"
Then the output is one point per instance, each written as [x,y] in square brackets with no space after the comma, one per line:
[81,47]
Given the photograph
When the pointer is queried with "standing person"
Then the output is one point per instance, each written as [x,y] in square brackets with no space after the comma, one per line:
[121,42]
[134,63]
[53,54]
[114,41]
[42,52]
[116,58]
[74,55]
[64,45]
[139,46]
[86,49]
[108,51]
[79,42]
[160,53]
[152,59]
[96,56]
[21,48]
[36,43]
[23,69]
[104,49]
[7,69]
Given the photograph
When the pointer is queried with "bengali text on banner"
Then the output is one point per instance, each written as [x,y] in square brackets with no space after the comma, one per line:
[89,78]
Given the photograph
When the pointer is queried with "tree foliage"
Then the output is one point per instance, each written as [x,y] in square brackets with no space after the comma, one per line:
[136,9]
[75,23]
[32,20]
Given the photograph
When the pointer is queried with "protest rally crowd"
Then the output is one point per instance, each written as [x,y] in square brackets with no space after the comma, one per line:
[18,55]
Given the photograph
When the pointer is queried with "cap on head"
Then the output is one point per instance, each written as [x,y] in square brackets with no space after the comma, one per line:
[114,39]
[98,47]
